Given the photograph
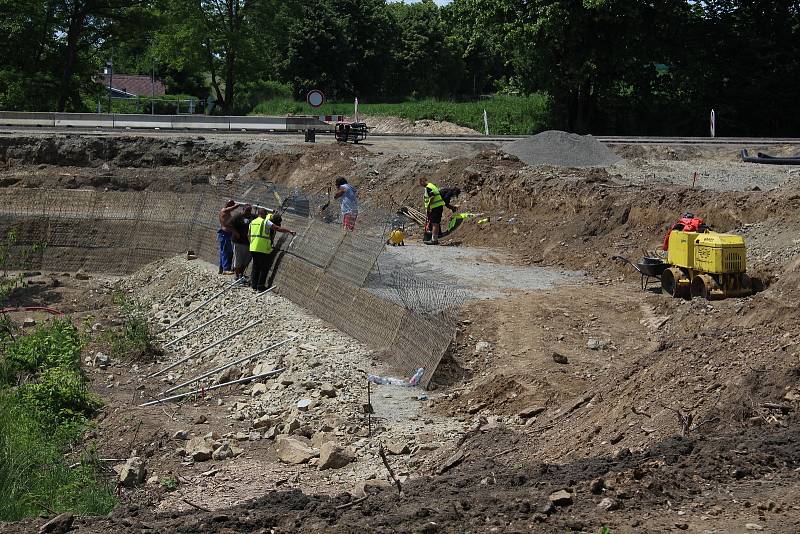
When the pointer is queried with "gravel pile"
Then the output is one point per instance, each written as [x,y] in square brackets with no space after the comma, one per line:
[317,400]
[562,149]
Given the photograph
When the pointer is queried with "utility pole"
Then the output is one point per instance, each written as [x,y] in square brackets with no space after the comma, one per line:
[153,90]
[110,72]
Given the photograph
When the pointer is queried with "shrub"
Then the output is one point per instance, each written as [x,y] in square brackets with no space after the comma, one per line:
[135,340]
[55,345]
[59,395]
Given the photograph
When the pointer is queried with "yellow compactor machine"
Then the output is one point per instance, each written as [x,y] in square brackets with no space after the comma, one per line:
[706,264]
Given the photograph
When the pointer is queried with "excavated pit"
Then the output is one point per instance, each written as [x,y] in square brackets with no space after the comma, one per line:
[636,363]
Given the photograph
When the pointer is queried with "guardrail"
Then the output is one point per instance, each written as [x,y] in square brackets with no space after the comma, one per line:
[165,122]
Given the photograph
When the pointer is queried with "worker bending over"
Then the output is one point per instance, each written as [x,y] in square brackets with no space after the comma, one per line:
[261,246]
[434,206]
[348,196]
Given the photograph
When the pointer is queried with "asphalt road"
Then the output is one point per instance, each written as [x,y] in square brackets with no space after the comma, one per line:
[374,137]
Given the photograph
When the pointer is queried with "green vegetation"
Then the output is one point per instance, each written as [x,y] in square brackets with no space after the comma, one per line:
[162,105]
[608,66]
[507,114]
[44,407]
[134,341]
[169,483]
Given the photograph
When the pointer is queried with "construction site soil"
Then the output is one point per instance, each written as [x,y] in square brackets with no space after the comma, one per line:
[571,402]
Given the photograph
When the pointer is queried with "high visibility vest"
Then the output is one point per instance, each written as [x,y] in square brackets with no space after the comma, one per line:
[432,201]
[259,236]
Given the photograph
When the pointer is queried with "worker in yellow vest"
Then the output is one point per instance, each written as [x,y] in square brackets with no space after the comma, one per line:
[261,246]
[434,206]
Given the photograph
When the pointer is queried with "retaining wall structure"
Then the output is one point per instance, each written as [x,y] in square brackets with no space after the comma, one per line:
[323,270]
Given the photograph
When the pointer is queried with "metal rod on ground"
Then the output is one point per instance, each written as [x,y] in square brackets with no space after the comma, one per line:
[220,316]
[231,364]
[201,351]
[202,305]
[216,386]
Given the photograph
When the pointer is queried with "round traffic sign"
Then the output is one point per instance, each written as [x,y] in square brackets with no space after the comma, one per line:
[315,98]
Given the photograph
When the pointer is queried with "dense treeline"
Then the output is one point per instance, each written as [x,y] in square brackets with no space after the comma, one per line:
[609,66]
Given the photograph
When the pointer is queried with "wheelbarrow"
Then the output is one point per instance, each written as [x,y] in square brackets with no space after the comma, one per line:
[647,267]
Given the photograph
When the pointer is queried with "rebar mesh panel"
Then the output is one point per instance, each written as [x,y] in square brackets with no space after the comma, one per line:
[297,281]
[373,321]
[421,342]
[354,258]
[333,300]
[318,244]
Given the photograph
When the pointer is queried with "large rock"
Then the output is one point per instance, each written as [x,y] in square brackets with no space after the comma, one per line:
[265,421]
[199,449]
[59,524]
[101,360]
[293,449]
[334,456]
[560,498]
[223,452]
[133,472]
[258,389]
[318,439]
[228,375]
[396,446]
[327,390]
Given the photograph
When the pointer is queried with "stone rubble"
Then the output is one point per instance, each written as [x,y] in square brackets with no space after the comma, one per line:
[133,472]
[317,399]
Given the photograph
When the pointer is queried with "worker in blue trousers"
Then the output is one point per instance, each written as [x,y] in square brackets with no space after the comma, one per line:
[224,237]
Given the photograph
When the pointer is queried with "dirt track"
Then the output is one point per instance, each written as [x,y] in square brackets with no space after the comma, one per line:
[638,364]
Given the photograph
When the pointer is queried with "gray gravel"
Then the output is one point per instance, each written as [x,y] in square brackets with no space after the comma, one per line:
[475,273]
[715,174]
[562,149]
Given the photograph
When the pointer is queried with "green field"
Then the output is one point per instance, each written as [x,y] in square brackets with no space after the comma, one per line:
[507,114]
[45,406]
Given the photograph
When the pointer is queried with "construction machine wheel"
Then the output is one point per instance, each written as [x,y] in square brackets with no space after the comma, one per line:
[745,283]
[703,286]
[669,282]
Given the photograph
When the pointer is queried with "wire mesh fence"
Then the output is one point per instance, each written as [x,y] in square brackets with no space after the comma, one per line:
[325,270]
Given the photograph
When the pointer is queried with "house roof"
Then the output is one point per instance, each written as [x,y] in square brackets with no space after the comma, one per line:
[134,84]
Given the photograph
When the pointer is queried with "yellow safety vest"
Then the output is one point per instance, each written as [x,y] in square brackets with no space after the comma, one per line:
[434,201]
[259,237]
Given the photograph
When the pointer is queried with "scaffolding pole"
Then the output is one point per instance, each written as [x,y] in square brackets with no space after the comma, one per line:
[217,386]
[231,364]
[209,347]
[218,317]
[202,305]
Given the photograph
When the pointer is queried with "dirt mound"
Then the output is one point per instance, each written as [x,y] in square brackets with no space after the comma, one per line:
[397,125]
[562,149]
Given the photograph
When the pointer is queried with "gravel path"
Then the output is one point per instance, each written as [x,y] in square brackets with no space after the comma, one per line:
[479,273]
[713,174]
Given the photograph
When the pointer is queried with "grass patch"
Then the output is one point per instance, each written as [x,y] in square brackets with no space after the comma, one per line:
[507,114]
[134,341]
[44,407]
[35,477]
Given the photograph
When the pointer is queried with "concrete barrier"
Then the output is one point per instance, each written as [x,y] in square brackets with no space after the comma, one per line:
[143,121]
[165,122]
[14,118]
[201,122]
[84,120]
[258,123]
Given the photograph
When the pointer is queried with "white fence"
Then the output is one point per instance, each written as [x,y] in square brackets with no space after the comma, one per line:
[167,122]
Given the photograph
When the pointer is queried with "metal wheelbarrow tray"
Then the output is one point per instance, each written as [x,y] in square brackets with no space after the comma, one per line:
[647,267]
